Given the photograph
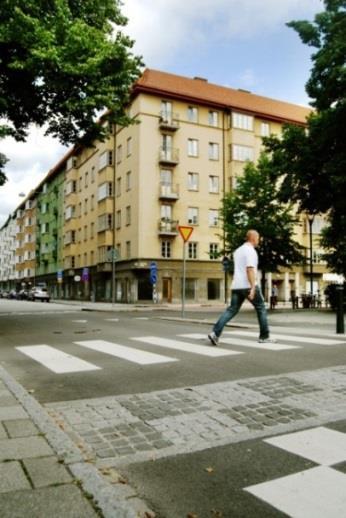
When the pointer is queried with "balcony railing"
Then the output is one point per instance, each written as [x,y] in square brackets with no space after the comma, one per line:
[168,191]
[168,227]
[169,156]
[169,121]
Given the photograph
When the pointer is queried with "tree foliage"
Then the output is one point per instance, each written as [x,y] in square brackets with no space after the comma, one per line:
[311,161]
[61,63]
[254,204]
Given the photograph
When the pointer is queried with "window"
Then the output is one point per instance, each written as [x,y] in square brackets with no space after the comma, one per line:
[167,142]
[73,261]
[85,205]
[44,228]
[92,202]
[233,181]
[241,121]
[105,159]
[213,118]
[166,177]
[85,232]
[104,191]
[192,114]
[118,247]
[213,289]
[119,153]
[213,250]
[213,217]
[80,184]
[129,146]
[166,249]
[71,162]
[128,215]
[104,222]
[192,181]
[79,209]
[166,110]
[192,250]
[71,187]
[92,230]
[166,212]
[213,184]
[242,153]
[92,257]
[85,258]
[192,215]
[213,151]
[92,174]
[128,180]
[128,249]
[118,187]
[192,147]
[118,219]
[44,210]
[86,179]
[265,129]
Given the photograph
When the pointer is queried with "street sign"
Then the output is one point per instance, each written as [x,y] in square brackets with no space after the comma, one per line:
[77,278]
[226,264]
[153,272]
[85,274]
[113,255]
[185,232]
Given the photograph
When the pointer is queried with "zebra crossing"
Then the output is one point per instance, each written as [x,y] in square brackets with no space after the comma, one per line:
[191,344]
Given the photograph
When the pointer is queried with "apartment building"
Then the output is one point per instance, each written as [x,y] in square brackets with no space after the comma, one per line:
[124,198]
[26,241]
[8,234]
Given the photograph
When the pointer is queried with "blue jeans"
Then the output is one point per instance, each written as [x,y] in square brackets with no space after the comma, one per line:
[237,299]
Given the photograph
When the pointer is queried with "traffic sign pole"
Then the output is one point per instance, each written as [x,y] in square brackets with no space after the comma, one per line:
[184,281]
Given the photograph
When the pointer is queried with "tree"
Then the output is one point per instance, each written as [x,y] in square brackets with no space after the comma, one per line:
[61,63]
[311,161]
[254,204]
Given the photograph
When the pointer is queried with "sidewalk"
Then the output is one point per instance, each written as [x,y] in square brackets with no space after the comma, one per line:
[43,473]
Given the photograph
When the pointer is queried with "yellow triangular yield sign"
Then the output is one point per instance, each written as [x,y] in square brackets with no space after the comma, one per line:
[185,232]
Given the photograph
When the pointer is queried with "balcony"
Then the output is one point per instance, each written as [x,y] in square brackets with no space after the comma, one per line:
[168,156]
[168,227]
[169,121]
[168,191]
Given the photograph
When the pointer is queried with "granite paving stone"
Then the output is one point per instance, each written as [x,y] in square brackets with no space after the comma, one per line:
[12,412]
[63,501]
[12,478]
[3,434]
[46,471]
[23,448]
[20,428]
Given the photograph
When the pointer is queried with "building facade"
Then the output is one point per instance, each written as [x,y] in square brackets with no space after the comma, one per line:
[106,212]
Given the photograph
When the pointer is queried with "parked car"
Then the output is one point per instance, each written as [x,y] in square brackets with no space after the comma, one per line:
[3,294]
[23,295]
[12,294]
[39,294]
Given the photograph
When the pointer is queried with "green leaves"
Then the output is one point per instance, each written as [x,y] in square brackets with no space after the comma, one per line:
[62,64]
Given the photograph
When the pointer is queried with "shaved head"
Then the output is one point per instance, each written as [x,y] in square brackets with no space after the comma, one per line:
[252,236]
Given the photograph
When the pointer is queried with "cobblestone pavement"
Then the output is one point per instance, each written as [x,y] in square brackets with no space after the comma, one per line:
[119,430]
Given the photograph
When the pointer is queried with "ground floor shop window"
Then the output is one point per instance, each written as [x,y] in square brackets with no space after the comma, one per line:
[213,289]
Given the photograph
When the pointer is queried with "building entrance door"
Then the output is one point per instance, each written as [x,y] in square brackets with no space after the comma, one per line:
[167,289]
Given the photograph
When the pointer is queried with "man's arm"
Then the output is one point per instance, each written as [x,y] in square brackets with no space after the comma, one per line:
[250,272]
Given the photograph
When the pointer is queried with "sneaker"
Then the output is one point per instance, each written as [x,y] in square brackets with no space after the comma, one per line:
[267,341]
[213,338]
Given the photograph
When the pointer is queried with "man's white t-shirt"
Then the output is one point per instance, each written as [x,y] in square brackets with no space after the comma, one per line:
[244,257]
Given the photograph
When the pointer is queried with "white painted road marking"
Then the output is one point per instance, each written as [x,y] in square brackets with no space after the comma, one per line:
[314,493]
[185,346]
[125,353]
[305,330]
[243,343]
[112,319]
[321,445]
[288,338]
[55,360]
[80,321]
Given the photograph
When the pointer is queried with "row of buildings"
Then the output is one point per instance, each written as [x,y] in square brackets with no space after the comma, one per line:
[104,213]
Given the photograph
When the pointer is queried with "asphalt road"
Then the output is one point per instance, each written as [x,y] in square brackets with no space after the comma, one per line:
[209,480]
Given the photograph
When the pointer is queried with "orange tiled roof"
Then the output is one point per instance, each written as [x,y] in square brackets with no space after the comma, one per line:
[200,91]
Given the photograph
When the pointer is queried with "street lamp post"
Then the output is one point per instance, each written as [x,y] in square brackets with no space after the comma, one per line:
[311,220]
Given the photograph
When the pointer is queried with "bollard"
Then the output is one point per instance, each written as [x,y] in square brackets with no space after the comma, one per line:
[340,325]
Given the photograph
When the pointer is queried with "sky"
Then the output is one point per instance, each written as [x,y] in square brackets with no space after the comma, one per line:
[236,43]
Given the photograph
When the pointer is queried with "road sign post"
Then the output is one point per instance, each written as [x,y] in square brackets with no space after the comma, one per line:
[153,279]
[185,233]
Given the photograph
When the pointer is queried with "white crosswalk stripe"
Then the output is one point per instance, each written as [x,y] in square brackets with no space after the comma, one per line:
[243,343]
[288,338]
[112,319]
[203,350]
[55,360]
[320,333]
[126,353]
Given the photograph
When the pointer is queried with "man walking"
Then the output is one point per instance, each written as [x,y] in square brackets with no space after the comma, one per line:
[244,286]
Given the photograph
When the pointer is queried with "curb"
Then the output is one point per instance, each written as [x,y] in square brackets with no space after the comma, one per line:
[112,500]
